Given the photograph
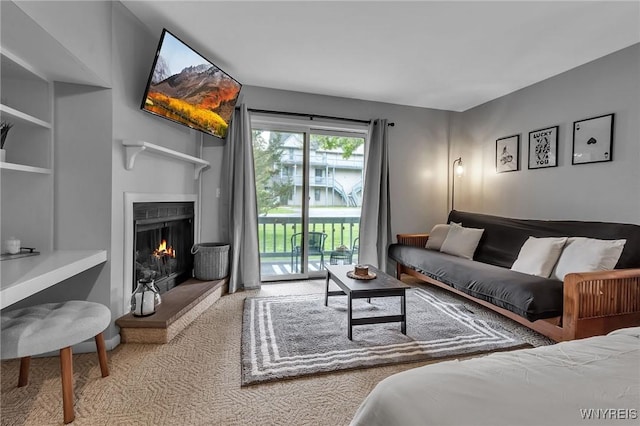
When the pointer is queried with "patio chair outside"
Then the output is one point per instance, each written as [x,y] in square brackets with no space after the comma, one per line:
[354,249]
[316,247]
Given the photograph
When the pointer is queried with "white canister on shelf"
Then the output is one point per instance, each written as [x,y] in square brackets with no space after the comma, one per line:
[12,245]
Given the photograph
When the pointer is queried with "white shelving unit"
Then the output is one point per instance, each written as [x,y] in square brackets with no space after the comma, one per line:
[134,148]
[23,168]
[21,117]
[31,59]
[27,173]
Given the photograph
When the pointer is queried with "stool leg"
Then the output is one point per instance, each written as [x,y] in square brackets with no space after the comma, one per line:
[66,372]
[23,380]
[102,355]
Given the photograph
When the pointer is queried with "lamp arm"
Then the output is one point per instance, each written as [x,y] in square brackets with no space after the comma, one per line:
[453,179]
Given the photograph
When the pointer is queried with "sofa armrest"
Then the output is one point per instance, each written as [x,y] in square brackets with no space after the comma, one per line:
[601,301]
[416,240]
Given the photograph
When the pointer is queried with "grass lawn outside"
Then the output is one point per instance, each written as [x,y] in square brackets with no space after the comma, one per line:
[340,224]
[276,237]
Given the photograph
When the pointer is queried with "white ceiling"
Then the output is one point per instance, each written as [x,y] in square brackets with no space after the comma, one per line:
[444,55]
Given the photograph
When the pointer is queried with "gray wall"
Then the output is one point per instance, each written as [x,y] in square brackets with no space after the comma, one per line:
[82,179]
[82,27]
[90,174]
[213,220]
[601,191]
[418,155]
[82,156]
[134,48]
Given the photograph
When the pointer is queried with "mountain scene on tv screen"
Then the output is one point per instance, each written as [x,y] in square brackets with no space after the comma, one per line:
[200,96]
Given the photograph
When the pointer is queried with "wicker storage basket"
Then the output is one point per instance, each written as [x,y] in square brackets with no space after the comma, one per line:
[211,261]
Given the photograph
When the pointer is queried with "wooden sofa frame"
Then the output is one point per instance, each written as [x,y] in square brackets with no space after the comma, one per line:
[595,303]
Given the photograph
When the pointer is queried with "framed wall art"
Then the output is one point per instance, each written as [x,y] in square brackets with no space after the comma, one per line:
[508,154]
[543,148]
[593,140]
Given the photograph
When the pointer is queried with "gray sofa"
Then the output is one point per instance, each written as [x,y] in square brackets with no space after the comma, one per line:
[585,304]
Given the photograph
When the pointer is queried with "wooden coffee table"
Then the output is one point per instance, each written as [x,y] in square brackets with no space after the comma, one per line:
[382,285]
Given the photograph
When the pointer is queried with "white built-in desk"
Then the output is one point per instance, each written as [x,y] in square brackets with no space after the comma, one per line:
[26,276]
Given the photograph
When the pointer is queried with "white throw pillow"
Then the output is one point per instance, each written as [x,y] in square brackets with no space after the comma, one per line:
[461,241]
[538,256]
[437,236]
[582,254]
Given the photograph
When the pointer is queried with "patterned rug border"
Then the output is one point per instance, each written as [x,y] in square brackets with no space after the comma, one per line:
[493,324]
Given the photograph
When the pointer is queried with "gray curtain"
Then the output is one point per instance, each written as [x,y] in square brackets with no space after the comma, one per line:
[375,221]
[240,186]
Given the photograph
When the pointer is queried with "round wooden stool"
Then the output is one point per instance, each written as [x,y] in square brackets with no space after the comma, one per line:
[44,328]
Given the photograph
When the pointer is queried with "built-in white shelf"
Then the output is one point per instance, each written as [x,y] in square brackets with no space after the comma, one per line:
[23,168]
[12,114]
[26,276]
[133,148]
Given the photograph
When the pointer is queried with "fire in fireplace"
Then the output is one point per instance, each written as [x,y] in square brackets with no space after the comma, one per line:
[163,240]
[165,258]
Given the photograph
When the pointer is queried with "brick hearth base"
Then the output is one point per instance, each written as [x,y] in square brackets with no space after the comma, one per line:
[180,306]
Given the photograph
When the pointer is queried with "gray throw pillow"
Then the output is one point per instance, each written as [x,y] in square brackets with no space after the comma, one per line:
[437,236]
[538,256]
[461,242]
[582,254]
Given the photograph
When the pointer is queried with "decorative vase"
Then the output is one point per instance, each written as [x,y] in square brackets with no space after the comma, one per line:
[156,293]
[143,299]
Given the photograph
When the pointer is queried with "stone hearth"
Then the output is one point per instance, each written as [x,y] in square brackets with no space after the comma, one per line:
[180,306]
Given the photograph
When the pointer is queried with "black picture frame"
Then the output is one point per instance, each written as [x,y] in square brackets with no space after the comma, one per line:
[543,148]
[593,140]
[508,154]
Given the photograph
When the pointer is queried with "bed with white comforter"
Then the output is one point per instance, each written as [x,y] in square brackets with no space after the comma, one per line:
[581,382]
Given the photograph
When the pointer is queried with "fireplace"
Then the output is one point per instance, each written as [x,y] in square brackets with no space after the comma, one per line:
[163,236]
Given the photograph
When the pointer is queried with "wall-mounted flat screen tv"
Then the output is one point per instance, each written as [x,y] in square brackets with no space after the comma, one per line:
[187,88]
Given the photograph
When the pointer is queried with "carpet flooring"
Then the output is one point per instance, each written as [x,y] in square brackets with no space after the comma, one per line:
[293,336]
[193,380]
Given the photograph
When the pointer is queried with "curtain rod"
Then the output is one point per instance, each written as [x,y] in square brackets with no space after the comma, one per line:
[311,116]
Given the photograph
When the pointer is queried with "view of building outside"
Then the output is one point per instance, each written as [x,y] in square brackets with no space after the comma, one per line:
[335,181]
[336,167]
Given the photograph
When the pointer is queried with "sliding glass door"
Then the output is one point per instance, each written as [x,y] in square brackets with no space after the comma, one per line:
[279,162]
[335,177]
[309,189]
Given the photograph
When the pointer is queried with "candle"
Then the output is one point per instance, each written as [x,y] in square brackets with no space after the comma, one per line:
[144,303]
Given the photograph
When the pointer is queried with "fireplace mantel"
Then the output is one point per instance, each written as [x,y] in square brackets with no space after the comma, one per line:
[133,148]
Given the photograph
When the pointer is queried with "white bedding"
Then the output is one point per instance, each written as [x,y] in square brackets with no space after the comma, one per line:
[548,385]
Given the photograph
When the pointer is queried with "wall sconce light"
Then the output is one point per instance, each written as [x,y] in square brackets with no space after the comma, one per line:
[457,171]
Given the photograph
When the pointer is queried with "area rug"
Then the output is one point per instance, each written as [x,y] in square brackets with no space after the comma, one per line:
[291,336]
